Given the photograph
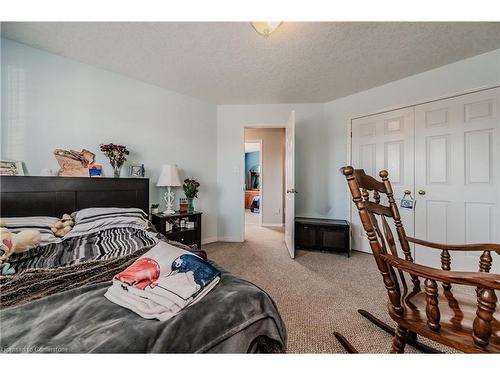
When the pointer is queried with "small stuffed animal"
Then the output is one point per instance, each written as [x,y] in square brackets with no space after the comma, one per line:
[6,269]
[63,226]
[17,242]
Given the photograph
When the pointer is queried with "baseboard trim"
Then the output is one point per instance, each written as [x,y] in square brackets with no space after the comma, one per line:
[209,240]
[272,225]
[230,239]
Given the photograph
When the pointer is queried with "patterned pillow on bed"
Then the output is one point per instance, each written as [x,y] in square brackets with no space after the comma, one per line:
[43,224]
[91,220]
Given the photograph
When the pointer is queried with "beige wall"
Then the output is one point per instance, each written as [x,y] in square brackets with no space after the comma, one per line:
[272,169]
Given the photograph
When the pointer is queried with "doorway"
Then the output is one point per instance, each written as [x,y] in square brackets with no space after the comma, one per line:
[253,182]
[263,179]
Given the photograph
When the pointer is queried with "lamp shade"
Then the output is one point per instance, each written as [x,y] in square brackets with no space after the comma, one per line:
[169,176]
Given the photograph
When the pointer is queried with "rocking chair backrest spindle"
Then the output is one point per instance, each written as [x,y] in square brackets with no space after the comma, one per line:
[373,217]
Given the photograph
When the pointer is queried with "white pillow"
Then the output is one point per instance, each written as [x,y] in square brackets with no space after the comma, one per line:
[91,220]
[43,224]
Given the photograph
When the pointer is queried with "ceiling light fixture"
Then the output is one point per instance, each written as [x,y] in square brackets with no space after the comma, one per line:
[265,28]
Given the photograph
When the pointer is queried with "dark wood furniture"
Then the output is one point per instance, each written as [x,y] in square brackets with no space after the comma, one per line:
[187,236]
[253,180]
[322,234]
[249,194]
[55,196]
[465,320]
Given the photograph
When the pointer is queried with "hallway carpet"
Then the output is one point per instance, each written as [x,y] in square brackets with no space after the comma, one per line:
[316,294]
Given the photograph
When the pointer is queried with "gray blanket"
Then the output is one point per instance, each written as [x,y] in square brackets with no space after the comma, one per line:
[235,317]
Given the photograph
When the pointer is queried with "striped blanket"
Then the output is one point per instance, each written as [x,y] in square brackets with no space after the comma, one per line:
[106,244]
[103,242]
[34,284]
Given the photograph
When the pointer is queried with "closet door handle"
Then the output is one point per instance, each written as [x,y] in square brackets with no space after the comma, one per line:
[421,192]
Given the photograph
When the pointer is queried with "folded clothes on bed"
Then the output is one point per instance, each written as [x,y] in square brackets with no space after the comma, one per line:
[162,282]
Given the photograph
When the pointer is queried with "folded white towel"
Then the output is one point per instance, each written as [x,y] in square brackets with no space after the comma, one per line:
[141,306]
[162,282]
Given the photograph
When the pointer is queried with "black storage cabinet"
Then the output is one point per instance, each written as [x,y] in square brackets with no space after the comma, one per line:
[322,234]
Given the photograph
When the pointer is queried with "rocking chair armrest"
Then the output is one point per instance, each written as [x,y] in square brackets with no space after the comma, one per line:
[478,279]
[463,247]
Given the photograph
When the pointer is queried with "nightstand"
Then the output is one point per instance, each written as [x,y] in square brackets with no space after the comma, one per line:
[189,234]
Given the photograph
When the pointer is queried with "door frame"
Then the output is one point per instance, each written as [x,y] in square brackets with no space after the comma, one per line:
[261,145]
[390,109]
[242,168]
[289,188]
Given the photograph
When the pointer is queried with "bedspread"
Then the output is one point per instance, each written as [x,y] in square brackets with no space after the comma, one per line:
[56,303]
[236,316]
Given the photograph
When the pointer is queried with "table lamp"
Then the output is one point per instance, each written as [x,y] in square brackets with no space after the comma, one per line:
[169,177]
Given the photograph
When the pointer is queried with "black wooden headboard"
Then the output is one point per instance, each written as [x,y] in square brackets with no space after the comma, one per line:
[55,196]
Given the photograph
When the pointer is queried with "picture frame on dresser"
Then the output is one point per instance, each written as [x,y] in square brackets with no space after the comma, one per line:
[136,171]
[11,168]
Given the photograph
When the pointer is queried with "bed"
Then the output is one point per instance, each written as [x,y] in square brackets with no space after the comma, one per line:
[55,304]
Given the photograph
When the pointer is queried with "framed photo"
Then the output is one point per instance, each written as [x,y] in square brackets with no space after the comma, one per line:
[11,168]
[136,170]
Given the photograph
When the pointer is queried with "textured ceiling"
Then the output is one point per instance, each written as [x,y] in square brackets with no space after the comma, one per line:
[229,63]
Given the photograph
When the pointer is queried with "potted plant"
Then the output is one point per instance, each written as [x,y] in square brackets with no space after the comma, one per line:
[155,208]
[117,155]
[191,188]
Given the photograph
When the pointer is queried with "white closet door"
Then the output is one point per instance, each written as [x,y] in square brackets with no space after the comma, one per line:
[457,176]
[384,141]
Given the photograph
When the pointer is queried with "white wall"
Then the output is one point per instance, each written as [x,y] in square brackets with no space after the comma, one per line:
[465,75]
[273,156]
[51,102]
[310,166]
[321,135]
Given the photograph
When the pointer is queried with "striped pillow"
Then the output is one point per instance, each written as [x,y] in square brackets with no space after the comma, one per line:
[43,224]
[91,220]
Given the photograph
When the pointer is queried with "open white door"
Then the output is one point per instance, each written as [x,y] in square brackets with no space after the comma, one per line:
[290,185]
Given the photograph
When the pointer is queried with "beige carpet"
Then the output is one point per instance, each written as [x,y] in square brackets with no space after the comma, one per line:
[316,294]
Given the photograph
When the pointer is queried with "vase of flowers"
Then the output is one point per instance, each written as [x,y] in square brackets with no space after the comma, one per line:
[191,188]
[117,155]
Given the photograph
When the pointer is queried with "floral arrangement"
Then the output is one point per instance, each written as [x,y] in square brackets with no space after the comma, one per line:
[191,188]
[115,153]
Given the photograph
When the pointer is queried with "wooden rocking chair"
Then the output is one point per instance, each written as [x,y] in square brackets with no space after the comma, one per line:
[462,321]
